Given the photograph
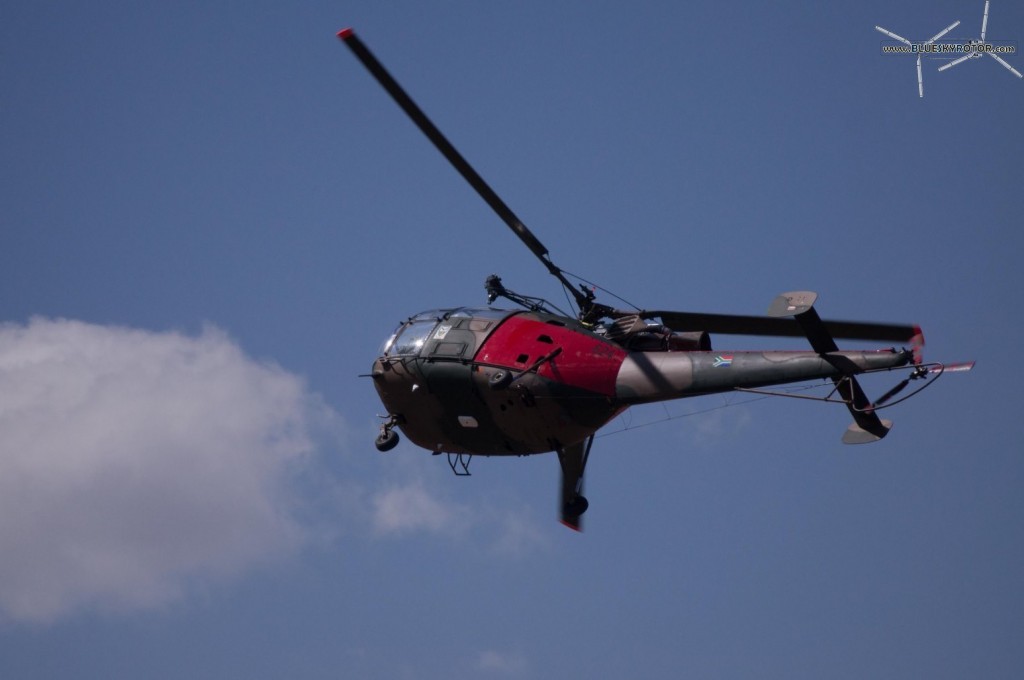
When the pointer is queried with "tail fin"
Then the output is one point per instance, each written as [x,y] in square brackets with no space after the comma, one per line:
[867,426]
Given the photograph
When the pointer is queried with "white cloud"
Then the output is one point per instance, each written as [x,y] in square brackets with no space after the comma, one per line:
[132,462]
[411,508]
[519,534]
[505,530]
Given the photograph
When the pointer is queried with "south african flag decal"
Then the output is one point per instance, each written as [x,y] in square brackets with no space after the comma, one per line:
[723,360]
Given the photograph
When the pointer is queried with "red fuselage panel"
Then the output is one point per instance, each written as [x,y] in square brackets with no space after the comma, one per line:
[585,360]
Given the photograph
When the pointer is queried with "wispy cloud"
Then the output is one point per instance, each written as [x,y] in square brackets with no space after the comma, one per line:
[410,507]
[519,534]
[504,529]
[134,461]
[713,427]
[502,663]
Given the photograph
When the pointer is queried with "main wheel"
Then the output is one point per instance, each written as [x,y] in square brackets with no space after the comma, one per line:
[386,441]
[576,506]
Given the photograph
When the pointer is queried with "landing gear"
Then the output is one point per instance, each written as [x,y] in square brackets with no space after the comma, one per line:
[575,507]
[459,463]
[388,438]
[573,460]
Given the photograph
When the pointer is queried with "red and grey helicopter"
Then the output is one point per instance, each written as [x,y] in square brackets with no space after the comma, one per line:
[489,382]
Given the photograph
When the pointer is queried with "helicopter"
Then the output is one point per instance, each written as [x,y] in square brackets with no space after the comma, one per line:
[482,381]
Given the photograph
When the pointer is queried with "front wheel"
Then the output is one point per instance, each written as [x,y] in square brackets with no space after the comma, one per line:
[386,441]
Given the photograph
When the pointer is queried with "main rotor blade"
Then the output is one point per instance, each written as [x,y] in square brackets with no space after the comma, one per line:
[1000,60]
[943,32]
[920,81]
[414,112]
[893,35]
[984,22]
[955,62]
[733,324]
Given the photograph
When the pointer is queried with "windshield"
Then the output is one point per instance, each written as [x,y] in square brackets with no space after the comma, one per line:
[412,336]
[409,338]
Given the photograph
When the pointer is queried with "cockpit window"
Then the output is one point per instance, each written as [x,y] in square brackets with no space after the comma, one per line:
[410,337]
[493,314]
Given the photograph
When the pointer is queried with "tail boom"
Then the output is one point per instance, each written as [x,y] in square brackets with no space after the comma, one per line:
[661,376]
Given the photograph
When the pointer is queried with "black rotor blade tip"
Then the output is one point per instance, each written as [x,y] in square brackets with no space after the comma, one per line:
[346,33]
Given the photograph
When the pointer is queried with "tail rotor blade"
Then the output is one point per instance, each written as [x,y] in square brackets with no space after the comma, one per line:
[934,371]
[961,367]
[891,393]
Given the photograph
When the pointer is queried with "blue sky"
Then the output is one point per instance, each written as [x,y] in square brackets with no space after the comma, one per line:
[213,216]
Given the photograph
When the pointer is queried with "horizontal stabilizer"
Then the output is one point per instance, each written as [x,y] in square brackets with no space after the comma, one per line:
[855,434]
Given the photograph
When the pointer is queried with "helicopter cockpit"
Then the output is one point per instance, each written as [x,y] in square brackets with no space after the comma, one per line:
[452,333]
[457,333]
